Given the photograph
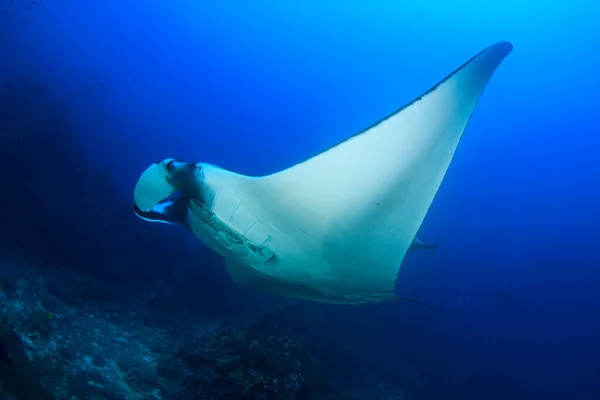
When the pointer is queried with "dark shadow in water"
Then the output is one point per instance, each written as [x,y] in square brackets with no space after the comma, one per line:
[56,208]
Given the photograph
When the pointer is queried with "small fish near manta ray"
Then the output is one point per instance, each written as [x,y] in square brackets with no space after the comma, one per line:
[306,232]
[420,244]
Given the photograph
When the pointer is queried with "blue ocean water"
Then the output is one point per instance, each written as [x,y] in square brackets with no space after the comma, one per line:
[93,92]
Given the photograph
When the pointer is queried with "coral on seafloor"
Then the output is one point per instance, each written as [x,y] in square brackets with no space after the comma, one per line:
[242,363]
[50,349]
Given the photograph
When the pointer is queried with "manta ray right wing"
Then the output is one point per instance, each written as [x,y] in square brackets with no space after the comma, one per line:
[351,212]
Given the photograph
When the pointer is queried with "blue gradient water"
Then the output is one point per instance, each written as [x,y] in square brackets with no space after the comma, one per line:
[258,86]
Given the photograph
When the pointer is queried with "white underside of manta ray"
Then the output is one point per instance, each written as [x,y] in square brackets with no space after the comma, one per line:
[336,227]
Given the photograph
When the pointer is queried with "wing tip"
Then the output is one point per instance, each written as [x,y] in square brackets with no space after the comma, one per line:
[504,44]
[499,49]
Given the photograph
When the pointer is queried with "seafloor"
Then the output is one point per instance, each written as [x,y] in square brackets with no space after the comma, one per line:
[63,336]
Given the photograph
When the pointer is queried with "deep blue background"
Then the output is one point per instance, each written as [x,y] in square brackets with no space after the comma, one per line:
[257,86]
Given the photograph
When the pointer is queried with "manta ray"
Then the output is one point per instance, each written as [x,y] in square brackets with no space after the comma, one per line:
[336,227]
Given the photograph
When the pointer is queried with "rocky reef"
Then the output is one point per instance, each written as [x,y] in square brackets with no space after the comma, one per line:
[55,345]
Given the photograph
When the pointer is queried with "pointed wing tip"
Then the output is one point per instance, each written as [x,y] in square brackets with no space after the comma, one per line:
[500,49]
[505,45]
[480,68]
